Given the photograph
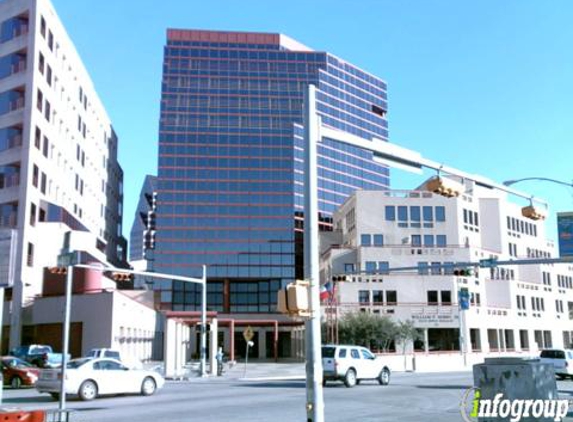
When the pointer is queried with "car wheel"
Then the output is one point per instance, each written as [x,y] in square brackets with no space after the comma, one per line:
[350,378]
[55,396]
[323,382]
[88,390]
[148,386]
[16,382]
[560,377]
[384,377]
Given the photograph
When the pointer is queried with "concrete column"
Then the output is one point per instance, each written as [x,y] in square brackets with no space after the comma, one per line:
[484,340]
[502,342]
[263,343]
[178,357]
[227,340]
[169,348]
[426,341]
[192,341]
[213,345]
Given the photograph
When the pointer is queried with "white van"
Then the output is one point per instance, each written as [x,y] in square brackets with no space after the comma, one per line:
[562,360]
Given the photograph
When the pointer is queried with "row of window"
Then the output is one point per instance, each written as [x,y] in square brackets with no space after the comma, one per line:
[521,226]
[536,253]
[415,213]
[378,297]
[443,297]
[471,217]
[564,281]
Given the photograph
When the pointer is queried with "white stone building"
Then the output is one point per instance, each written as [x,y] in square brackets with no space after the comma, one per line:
[58,153]
[513,308]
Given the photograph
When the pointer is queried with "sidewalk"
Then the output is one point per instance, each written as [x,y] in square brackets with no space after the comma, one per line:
[253,371]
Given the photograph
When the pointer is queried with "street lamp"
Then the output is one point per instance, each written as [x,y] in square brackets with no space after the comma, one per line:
[511,182]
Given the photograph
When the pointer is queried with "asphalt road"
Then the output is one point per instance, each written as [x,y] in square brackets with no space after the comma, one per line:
[409,397]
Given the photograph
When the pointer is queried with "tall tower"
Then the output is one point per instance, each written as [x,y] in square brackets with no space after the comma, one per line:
[229,191]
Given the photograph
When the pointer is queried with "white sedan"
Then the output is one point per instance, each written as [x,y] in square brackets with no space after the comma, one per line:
[88,378]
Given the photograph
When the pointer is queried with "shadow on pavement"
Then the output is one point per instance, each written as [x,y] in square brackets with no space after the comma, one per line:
[35,399]
[445,387]
[274,384]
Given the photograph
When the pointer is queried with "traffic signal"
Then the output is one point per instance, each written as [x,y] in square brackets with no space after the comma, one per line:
[58,270]
[121,276]
[533,213]
[444,186]
[463,272]
[340,278]
[293,299]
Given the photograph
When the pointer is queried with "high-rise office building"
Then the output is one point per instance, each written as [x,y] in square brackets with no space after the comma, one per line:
[58,153]
[230,177]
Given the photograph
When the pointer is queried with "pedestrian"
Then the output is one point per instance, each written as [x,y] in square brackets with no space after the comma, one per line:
[219,357]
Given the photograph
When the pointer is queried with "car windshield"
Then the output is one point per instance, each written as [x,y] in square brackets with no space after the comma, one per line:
[16,363]
[39,349]
[328,352]
[76,363]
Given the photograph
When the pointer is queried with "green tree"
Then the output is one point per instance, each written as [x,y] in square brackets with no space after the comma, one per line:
[366,329]
[406,332]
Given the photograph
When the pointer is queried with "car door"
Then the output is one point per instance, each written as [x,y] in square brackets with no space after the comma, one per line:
[112,377]
[357,362]
[369,363]
[560,361]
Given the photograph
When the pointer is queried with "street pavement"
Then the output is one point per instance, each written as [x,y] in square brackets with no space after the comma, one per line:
[269,392]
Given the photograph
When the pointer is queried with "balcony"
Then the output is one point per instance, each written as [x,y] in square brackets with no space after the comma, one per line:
[8,220]
[10,138]
[14,28]
[16,104]
[9,215]
[9,180]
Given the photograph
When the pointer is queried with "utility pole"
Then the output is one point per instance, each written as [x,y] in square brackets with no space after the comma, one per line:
[314,394]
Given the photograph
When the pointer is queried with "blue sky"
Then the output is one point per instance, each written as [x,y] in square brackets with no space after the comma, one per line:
[486,87]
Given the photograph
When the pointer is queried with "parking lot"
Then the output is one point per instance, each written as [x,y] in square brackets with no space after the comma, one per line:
[409,397]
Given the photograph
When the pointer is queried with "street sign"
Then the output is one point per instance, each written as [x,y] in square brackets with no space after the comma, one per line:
[67,259]
[464,299]
[8,239]
[488,263]
[248,334]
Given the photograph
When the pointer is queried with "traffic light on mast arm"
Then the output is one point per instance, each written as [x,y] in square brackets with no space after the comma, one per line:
[121,276]
[463,272]
[58,270]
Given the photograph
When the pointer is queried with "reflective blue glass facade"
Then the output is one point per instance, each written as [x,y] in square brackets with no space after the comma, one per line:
[565,233]
[230,169]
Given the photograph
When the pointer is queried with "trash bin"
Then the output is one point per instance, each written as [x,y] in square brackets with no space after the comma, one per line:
[508,388]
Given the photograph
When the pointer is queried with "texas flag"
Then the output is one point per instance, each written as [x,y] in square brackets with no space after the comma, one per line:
[326,291]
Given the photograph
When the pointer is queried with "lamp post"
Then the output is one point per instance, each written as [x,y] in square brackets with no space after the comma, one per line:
[546,179]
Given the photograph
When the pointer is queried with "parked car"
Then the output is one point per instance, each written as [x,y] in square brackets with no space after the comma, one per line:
[104,353]
[562,360]
[38,354]
[352,364]
[89,378]
[17,372]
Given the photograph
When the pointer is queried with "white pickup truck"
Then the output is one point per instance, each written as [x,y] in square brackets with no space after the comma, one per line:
[104,353]
[114,354]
